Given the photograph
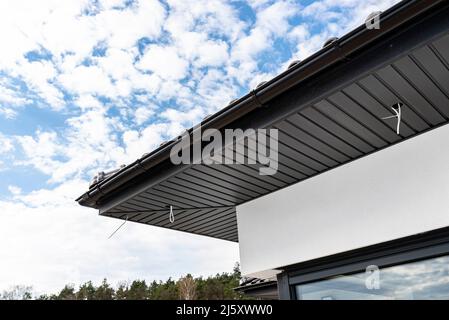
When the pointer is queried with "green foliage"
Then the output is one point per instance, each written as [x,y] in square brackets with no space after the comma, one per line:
[164,290]
[104,292]
[17,293]
[86,291]
[220,286]
[122,291]
[67,293]
[138,290]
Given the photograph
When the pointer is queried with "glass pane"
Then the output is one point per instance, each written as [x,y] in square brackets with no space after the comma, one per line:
[427,279]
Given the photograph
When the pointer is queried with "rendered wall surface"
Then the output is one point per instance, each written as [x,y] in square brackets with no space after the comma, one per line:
[396,192]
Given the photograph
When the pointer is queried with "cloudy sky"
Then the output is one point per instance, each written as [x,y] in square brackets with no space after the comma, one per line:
[86,86]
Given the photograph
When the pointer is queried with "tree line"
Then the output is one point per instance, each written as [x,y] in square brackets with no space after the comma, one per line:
[218,287]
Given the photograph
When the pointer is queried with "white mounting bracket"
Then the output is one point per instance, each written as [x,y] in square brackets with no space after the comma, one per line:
[398,115]
[171,215]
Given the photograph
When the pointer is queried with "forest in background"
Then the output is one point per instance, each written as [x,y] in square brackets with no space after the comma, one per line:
[218,287]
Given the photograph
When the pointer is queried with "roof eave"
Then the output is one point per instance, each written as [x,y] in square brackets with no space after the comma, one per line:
[323,59]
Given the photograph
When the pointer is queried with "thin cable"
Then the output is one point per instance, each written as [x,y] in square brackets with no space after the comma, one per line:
[118,228]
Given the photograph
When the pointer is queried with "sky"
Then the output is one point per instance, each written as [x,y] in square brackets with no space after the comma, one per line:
[89,85]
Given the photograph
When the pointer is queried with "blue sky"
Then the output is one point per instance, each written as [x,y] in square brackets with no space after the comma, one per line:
[86,86]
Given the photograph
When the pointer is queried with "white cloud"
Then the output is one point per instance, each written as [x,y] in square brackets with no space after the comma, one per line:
[299,33]
[205,16]
[89,144]
[142,114]
[195,38]
[216,90]
[87,79]
[66,243]
[181,120]
[11,99]
[88,101]
[164,62]
[38,76]
[6,144]
[44,145]
[122,28]
[111,4]
[15,190]
[40,151]
[274,18]
[336,17]
[139,142]
[346,13]
[272,21]
[69,37]
[6,149]
[9,96]
[8,113]
[212,53]
[117,63]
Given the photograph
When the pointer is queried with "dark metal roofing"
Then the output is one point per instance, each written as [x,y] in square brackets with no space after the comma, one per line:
[259,288]
[253,281]
[328,110]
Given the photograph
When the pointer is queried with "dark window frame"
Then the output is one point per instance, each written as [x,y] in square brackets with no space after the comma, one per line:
[419,247]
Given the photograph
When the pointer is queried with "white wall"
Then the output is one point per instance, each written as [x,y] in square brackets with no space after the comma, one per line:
[399,191]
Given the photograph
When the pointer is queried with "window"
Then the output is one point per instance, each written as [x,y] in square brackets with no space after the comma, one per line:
[425,279]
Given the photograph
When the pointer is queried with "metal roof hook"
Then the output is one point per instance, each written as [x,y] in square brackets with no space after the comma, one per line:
[397,114]
[171,216]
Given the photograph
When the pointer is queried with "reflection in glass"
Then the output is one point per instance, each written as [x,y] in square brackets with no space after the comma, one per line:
[427,279]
